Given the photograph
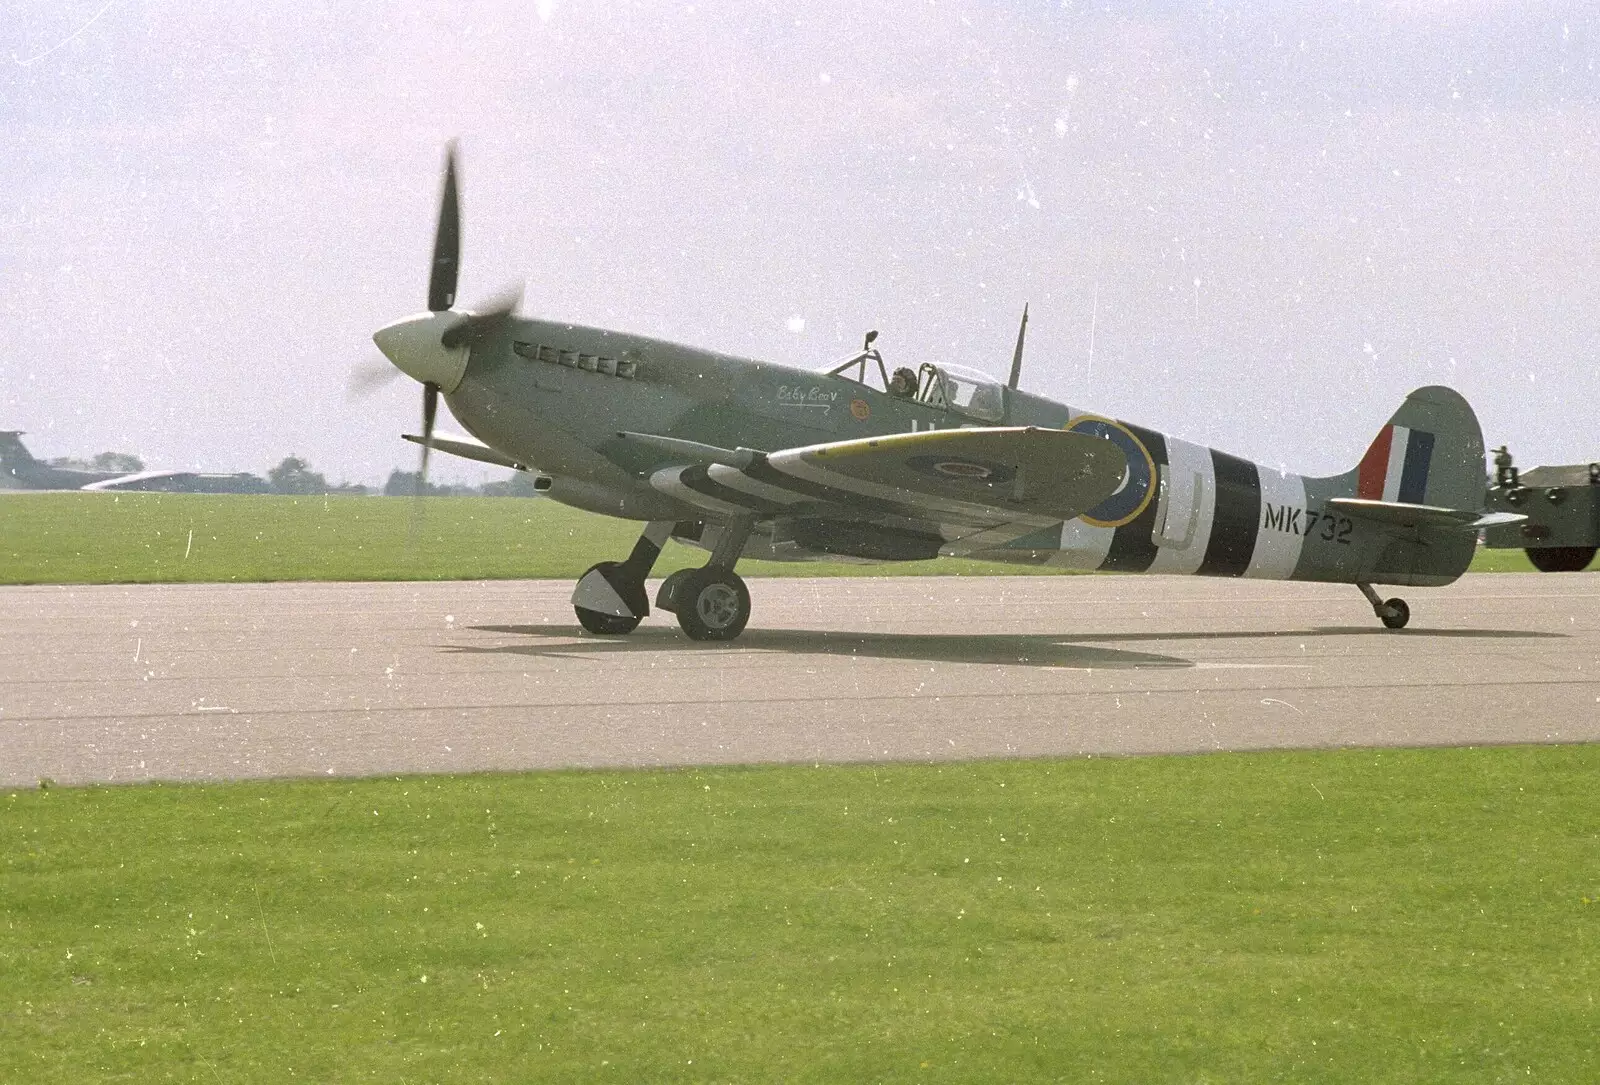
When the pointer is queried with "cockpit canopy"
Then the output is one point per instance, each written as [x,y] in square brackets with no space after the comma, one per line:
[948,387]
[967,391]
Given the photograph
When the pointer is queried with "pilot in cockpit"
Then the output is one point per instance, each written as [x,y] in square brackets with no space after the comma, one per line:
[903,383]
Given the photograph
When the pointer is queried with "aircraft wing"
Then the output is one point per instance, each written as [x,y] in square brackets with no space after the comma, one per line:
[1400,514]
[979,478]
[468,450]
[119,482]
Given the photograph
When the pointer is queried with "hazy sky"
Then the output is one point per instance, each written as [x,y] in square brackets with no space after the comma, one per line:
[1257,225]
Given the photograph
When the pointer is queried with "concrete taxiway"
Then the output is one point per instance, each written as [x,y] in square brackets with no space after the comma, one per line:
[205,682]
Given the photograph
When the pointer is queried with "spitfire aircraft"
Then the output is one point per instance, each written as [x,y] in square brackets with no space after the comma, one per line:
[745,458]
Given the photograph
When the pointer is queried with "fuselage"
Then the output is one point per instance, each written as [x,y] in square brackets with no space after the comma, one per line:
[557,396]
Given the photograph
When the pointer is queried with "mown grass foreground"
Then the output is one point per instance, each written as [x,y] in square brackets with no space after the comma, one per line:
[105,538]
[1361,916]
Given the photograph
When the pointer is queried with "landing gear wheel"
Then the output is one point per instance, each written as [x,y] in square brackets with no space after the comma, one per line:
[711,604]
[1560,559]
[1395,614]
[630,594]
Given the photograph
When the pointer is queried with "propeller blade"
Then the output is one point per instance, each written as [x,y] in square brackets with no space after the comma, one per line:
[430,410]
[369,376]
[484,321]
[446,241]
[501,305]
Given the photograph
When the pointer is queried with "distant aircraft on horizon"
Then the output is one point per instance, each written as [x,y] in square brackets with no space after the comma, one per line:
[20,471]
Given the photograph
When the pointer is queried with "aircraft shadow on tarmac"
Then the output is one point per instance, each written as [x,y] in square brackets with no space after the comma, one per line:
[1070,651]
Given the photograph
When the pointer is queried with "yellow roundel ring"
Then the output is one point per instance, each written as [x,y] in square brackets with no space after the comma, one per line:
[1138,481]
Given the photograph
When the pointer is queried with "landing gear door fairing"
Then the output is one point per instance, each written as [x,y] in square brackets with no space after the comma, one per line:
[1178,507]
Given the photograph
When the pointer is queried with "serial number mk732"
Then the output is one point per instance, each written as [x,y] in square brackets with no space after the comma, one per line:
[1293,520]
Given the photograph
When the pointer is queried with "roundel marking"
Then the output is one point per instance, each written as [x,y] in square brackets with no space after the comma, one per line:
[860,410]
[1138,480]
[962,470]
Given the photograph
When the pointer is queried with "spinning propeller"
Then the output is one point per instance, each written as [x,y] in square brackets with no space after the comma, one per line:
[432,347]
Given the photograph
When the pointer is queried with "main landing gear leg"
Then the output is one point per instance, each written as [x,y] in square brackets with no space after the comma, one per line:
[1392,612]
[610,598]
[711,602]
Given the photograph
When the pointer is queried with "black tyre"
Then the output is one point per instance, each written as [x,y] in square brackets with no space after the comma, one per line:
[1560,559]
[712,605]
[607,625]
[630,592]
[1395,613]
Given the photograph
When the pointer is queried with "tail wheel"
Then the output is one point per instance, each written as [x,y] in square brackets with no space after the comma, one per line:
[1395,614]
[1561,559]
[712,604]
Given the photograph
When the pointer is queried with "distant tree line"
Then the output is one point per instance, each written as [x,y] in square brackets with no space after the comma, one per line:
[295,476]
[106,461]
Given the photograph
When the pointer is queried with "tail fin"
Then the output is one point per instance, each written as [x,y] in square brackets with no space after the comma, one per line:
[13,453]
[1429,453]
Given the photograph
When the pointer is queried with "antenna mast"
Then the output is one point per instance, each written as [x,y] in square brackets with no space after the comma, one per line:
[1016,359]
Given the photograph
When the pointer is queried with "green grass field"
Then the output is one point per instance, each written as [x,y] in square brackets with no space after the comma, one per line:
[1354,916]
[70,538]
[1350,916]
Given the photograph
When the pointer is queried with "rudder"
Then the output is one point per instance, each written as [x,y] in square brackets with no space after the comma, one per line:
[1429,453]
